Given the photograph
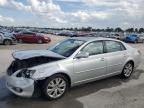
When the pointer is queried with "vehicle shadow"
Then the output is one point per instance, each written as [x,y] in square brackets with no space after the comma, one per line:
[9,100]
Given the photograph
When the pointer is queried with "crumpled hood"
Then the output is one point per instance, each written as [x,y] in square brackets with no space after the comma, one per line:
[35,53]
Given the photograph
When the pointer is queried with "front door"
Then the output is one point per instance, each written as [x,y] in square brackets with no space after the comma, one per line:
[93,66]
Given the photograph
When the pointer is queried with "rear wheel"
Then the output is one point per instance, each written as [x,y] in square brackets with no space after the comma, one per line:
[7,42]
[20,41]
[127,70]
[136,41]
[55,87]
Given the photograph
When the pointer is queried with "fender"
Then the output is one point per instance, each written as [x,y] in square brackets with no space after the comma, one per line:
[48,71]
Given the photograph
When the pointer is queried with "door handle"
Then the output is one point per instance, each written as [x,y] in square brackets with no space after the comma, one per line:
[102,59]
[125,55]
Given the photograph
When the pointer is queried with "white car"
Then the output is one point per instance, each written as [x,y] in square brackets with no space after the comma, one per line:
[69,63]
[7,39]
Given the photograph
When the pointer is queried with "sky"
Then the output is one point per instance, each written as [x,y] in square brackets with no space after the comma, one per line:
[72,13]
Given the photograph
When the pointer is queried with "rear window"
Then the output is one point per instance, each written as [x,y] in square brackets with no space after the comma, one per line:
[114,46]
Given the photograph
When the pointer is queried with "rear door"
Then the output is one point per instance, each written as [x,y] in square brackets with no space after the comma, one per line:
[29,37]
[24,36]
[32,37]
[115,54]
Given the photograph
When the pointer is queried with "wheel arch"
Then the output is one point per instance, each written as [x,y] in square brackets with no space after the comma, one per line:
[65,75]
[131,61]
[59,73]
[6,40]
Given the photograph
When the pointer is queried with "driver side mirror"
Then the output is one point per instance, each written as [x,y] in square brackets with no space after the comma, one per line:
[82,55]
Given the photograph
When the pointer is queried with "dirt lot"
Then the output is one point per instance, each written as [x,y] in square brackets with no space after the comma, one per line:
[112,92]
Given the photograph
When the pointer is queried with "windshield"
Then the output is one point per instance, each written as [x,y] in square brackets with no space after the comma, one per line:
[67,47]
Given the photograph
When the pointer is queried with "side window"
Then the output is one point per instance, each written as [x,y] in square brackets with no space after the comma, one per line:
[25,33]
[31,33]
[94,48]
[28,33]
[0,36]
[113,46]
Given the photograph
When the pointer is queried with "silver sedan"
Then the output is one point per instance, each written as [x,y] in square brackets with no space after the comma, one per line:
[69,63]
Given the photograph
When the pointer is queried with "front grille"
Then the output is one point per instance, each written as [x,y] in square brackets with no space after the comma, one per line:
[16,65]
[10,70]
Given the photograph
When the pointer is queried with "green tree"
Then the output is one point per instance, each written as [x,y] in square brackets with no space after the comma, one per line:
[130,30]
[118,29]
[141,30]
[136,30]
[109,29]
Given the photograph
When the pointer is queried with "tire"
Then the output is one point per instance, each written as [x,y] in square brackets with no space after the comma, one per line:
[127,70]
[7,42]
[20,41]
[136,41]
[55,90]
[40,41]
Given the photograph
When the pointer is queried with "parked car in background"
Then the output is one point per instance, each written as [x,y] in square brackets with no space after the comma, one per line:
[91,34]
[69,63]
[134,39]
[114,36]
[32,37]
[72,34]
[66,33]
[141,38]
[7,39]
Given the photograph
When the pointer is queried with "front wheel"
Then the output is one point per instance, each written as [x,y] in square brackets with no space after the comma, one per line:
[7,42]
[127,70]
[55,87]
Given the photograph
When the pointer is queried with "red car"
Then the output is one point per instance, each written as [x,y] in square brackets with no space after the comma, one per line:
[32,37]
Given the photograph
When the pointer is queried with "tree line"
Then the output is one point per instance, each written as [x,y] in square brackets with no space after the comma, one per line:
[108,29]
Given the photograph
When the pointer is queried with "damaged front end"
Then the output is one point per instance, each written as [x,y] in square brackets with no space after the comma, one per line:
[18,79]
[28,63]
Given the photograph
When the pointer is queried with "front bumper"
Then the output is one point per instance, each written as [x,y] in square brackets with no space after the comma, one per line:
[20,86]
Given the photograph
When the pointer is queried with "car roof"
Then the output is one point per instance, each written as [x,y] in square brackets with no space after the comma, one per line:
[93,38]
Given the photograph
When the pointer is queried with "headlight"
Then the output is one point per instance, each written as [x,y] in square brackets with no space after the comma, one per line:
[45,37]
[26,73]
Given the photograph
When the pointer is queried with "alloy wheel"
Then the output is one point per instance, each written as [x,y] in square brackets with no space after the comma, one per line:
[56,88]
[40,41]
[128,69]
